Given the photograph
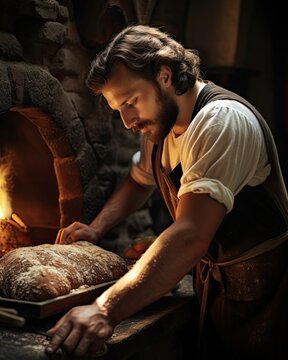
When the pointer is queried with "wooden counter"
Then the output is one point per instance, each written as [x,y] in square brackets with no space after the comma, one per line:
[163,330]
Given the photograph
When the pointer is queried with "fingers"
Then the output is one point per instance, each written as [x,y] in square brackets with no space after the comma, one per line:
[58,325]
[59,236]
[67,235]
[59,337]
[79,341]
[88,343]
[72,341]
[75,232]
[92,341]
[83,330]
[83,346]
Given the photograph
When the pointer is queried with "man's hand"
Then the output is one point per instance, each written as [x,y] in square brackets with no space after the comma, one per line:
[138,247]
[83,330]
[75,232]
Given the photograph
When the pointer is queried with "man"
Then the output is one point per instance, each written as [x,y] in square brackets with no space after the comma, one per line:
[213,159]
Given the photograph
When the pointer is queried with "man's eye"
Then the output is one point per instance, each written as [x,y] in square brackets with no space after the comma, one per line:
[132,103]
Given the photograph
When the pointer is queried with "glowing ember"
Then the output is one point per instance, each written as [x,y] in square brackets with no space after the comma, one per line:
[8,237]
[9,229]
[5,201]
[13,231]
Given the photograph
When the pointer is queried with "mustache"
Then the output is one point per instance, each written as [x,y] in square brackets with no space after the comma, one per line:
[138,126]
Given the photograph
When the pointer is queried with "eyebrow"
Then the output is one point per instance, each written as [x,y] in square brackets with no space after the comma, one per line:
[126,96]
[120,105]
[123,103]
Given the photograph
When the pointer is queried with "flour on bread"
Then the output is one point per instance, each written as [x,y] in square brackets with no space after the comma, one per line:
[42,272]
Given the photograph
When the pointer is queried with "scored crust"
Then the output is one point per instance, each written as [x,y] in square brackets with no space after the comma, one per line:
[42,272]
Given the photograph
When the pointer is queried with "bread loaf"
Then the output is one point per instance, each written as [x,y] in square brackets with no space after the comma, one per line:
[42,272]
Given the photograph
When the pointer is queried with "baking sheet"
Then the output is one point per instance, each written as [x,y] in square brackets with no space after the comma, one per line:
[43,309]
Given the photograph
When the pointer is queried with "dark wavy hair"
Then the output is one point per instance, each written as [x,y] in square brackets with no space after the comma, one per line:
[144,49]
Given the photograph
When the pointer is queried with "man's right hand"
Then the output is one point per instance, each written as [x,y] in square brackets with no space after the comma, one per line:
[75,232]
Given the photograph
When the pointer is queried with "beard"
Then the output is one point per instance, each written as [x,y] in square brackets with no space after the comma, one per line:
[164,120]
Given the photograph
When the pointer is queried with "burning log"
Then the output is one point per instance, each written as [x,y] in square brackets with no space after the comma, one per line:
[13,234]
[8,238]
[13,230]
[19,222]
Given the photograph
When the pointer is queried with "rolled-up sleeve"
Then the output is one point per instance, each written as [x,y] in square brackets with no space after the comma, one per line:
[222,151]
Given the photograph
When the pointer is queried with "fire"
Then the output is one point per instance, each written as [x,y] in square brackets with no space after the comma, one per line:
[5,200]
[13,231]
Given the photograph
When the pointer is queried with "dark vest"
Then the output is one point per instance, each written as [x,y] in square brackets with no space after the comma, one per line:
[256,214]
[242,284]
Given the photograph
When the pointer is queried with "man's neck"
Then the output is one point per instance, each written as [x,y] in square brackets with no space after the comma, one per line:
[186,104]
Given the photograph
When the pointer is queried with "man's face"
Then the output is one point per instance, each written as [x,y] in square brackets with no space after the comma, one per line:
[143,106]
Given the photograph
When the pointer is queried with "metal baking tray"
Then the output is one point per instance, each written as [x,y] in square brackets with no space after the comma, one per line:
[43,309]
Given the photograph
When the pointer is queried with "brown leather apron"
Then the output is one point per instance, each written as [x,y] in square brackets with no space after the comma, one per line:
[242,283]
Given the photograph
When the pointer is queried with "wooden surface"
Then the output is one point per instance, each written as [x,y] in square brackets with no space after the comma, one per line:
[163,330]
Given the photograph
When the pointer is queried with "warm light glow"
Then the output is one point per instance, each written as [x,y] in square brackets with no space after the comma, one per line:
[5,201]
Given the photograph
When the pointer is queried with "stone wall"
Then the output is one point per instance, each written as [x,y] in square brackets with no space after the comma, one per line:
[43,70]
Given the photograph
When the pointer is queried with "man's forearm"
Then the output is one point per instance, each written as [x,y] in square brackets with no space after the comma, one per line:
[174,253]
[127,198]
[154,274]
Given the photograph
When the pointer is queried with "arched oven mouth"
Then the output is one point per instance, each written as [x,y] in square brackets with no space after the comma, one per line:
[48,169]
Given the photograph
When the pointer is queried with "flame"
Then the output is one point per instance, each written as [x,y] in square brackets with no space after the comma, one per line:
[5,200]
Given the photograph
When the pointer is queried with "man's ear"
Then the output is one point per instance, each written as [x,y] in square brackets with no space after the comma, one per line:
[164,76]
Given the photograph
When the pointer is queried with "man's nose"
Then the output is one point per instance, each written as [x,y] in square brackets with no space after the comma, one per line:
[128,117]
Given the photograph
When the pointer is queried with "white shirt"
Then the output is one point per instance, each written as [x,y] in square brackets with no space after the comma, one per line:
[222,150]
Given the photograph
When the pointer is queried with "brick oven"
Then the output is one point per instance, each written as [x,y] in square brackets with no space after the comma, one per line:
[51,169]
[61,150]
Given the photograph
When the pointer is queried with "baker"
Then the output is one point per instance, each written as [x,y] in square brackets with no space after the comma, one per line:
[214,160]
